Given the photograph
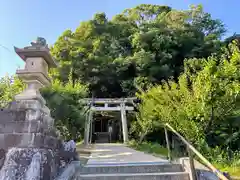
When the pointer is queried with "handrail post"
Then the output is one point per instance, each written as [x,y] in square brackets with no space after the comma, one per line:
[215,170]
[192,173]
[168,145]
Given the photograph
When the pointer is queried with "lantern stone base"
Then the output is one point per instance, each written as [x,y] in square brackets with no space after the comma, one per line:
[30,163]
[30,94]
[33,149]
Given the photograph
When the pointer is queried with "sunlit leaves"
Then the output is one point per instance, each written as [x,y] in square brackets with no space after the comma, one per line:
[204,97]
[9,88]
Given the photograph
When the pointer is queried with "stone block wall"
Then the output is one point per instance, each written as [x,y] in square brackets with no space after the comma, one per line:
[26,127]
[27,131]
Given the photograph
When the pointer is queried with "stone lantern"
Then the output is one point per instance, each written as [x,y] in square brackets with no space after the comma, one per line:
[29,142]
[35,74]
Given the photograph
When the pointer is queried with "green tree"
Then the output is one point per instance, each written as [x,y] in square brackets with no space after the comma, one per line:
[200,104]
[66,108]
[148,42]
[9,87]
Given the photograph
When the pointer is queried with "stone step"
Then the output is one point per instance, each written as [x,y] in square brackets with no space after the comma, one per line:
[136,176]
[134,168]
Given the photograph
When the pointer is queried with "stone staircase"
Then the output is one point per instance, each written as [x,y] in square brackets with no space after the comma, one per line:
[137,171]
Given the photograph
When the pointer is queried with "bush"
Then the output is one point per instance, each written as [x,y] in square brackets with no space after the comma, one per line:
[148,147]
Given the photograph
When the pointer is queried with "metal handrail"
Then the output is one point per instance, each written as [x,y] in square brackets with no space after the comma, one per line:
[190,150]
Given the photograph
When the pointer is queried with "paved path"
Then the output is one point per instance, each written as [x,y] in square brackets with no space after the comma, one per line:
[120,154]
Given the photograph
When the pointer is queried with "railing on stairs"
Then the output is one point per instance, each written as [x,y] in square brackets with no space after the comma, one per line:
[191,150]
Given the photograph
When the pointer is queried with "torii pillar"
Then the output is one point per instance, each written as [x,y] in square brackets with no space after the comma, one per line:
[87,127]
[124,123]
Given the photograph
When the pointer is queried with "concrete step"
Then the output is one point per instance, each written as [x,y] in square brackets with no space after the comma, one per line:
[136,176]
[131,168]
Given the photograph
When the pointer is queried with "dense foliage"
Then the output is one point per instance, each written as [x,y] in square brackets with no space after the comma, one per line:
[9,87]
[202,105]
[66,109]
[142,45]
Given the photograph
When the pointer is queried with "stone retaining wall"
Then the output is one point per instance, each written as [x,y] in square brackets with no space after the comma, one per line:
[27,132]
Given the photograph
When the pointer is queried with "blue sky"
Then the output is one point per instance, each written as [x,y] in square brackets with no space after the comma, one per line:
[21,21]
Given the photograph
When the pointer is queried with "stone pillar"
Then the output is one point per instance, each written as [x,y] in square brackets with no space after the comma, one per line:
[124,123]
[91,130]
[87,127]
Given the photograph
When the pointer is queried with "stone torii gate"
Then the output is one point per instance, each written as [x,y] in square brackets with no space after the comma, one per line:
[108,104]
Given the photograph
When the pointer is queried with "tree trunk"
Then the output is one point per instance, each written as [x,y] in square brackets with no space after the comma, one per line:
[143,135]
